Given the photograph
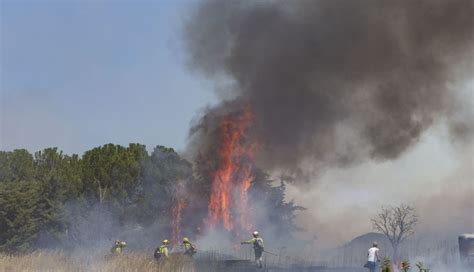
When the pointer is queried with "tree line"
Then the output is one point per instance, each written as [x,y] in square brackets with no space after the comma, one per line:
[46,196]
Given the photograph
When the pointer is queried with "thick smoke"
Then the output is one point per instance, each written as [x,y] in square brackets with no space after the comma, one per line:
[333,82]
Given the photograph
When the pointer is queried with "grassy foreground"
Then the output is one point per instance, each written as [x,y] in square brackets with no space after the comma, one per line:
[54,261]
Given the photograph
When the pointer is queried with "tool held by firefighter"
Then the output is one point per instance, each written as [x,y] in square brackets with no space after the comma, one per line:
[258,248]
[118,247]
[162,251]
[189,248]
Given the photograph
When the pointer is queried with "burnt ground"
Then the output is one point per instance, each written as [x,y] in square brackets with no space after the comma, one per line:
[249,266]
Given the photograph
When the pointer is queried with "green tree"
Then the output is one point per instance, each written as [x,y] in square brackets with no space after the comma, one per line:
[19,194]
[110,172]
[113,176]
[58,177]
[164,169]
[19,222]
[16,165]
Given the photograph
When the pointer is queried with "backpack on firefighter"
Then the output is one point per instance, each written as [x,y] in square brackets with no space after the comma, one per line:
[189,248]
[157,253]
[258,244]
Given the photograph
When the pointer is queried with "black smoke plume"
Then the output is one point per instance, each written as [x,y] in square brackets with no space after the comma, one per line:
[333,82]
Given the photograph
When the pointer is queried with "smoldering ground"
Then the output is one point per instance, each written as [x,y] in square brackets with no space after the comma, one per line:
[333,83]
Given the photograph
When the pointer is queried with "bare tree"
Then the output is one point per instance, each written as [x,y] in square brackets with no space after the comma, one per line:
[397,223]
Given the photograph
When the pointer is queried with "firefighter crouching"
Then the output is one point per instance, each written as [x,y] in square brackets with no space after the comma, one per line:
[258,248]
[189,249]
[118,247]
[162,251]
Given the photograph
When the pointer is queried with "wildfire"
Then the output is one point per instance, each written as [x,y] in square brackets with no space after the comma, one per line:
[245,209]
[176,212]
[228,204]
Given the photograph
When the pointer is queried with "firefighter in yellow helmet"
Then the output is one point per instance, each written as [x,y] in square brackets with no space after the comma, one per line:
[189,249]
[162,251]
[118,247]
[258,248]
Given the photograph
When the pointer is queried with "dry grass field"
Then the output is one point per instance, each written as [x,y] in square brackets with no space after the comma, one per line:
[59,262]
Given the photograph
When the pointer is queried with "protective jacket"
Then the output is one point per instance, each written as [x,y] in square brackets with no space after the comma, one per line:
[118,247]
[164,251]
[257,244]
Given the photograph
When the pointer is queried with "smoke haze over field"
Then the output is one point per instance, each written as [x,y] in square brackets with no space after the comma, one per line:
[432,177]
[333,83]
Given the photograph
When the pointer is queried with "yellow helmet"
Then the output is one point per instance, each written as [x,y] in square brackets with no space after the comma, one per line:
[123,243]
[165,242]
[186,239]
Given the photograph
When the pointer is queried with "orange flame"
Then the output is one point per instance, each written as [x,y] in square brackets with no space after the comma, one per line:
[232,179]
[245,209]
[176,212]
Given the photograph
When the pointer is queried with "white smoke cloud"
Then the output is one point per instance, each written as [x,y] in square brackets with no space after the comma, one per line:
[433,177]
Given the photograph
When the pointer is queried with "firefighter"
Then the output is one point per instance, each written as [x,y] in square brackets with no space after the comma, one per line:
[189,249]
[258,248]
[118,247]
[162,251]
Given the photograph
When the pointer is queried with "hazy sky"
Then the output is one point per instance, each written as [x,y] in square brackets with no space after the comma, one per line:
[85,73]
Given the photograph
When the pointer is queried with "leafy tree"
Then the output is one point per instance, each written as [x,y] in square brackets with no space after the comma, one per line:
[33,192]
[111,172]
[58,177]
[16,165]
[19,196]
[164,170]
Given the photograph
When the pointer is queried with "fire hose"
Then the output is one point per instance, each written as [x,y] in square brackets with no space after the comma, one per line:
[270,253]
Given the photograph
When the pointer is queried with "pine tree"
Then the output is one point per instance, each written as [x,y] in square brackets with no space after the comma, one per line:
[19,222]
